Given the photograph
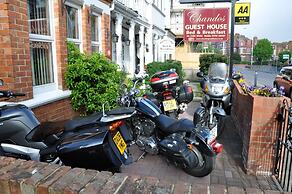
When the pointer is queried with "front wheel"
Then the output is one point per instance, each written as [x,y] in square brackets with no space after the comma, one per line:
[205,166]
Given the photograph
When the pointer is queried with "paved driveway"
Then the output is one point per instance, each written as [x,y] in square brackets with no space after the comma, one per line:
[228,170]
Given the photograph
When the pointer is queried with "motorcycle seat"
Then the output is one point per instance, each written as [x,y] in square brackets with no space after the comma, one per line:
[170,125]
[54,127]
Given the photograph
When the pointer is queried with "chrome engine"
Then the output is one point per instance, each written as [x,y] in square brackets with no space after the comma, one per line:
[145,137]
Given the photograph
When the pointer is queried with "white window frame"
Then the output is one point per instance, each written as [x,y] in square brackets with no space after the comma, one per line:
[37,90]
[79,15]
[95,43]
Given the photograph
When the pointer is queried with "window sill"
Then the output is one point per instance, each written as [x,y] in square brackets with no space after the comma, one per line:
[46,98]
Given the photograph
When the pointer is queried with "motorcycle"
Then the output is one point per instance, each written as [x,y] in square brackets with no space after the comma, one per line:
[98,140]
[178,140]
[171,99]
[216,102]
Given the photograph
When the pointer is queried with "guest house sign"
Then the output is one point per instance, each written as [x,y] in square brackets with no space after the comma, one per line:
[206,25]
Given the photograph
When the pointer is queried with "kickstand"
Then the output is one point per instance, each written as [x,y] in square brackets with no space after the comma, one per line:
[142,156]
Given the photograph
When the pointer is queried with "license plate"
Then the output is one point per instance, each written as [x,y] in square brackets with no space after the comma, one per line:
[172,81]
[213,134]
[120,142]
[169,105]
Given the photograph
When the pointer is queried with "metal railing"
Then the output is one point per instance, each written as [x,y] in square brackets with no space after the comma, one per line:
[283,159]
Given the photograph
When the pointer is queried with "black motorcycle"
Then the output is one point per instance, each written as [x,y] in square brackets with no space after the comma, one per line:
[167,95]
[182,143]
[98,141]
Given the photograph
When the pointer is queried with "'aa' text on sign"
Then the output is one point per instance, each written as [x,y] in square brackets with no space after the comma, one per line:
[242,13]
[206,25]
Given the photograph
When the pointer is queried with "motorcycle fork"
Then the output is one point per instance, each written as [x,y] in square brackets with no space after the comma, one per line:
[211,112]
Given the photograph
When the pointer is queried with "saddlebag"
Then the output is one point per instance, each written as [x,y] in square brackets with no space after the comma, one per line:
[90,150]
[185,94]
[177,151]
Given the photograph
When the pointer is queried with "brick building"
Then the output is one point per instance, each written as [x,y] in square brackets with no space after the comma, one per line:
[33,50]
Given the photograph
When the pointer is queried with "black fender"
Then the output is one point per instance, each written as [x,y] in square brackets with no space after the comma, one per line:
[199,115]
[204,146]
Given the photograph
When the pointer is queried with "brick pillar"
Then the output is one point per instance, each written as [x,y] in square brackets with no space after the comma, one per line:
[15,64]
[61,45]
[106,36]
[86,29]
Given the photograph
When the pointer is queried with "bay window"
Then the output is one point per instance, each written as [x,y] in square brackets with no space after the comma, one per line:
[41,44]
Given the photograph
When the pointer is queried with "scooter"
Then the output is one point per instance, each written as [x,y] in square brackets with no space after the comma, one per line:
[99,140]
[180,141]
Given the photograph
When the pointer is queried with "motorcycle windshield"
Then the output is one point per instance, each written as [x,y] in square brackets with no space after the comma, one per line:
[217,72]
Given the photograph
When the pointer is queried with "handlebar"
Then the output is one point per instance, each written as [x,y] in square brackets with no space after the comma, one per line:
[9,94]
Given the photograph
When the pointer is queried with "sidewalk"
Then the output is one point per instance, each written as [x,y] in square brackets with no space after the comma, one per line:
[228,171]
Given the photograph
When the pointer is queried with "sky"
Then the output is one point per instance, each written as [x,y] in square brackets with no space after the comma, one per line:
[271,19]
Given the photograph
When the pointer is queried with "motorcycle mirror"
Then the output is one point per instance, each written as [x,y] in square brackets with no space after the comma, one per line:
[200,74]
[1,82]
[236,76]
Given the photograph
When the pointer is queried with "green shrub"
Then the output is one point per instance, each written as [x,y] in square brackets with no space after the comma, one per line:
[93,80]
[154,67]
[207,59]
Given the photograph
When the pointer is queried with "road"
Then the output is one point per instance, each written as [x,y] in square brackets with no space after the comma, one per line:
[264,77]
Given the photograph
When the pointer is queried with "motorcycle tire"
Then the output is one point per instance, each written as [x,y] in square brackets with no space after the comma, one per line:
[205,168]
[220,126]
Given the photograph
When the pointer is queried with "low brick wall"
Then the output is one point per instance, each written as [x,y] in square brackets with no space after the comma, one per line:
[255,118]
[29,177]
[58,110]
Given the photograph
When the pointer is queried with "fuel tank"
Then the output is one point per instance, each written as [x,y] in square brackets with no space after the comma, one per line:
[147,107]
[16,121]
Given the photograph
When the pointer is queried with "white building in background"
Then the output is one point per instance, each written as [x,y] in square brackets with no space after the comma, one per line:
[141,33]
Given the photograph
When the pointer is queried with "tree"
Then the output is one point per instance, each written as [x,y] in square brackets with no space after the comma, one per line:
[236,58]
[284,53]
[263,50]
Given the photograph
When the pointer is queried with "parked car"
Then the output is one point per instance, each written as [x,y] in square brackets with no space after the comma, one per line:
[284,80]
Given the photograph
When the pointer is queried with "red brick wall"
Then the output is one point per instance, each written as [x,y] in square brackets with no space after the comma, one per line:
[14,46]
[59,110]
[86,29]
[61,45]
[255,117]
[106,35]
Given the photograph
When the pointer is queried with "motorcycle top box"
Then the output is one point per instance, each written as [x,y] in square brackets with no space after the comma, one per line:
[163,79]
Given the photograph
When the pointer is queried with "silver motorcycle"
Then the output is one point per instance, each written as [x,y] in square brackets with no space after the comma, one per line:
[216,102]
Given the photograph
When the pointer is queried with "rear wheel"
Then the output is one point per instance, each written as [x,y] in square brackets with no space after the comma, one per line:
[205,166]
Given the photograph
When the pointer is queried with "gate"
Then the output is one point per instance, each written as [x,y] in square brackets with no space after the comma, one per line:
[283,160]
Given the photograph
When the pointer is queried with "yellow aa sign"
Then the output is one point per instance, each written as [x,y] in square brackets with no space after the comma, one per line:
[242,12]
[242,9]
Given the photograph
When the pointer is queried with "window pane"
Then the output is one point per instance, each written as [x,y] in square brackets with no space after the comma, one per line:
[94,29]
[39,17]
[41,61]
[72,22]
[95,48]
